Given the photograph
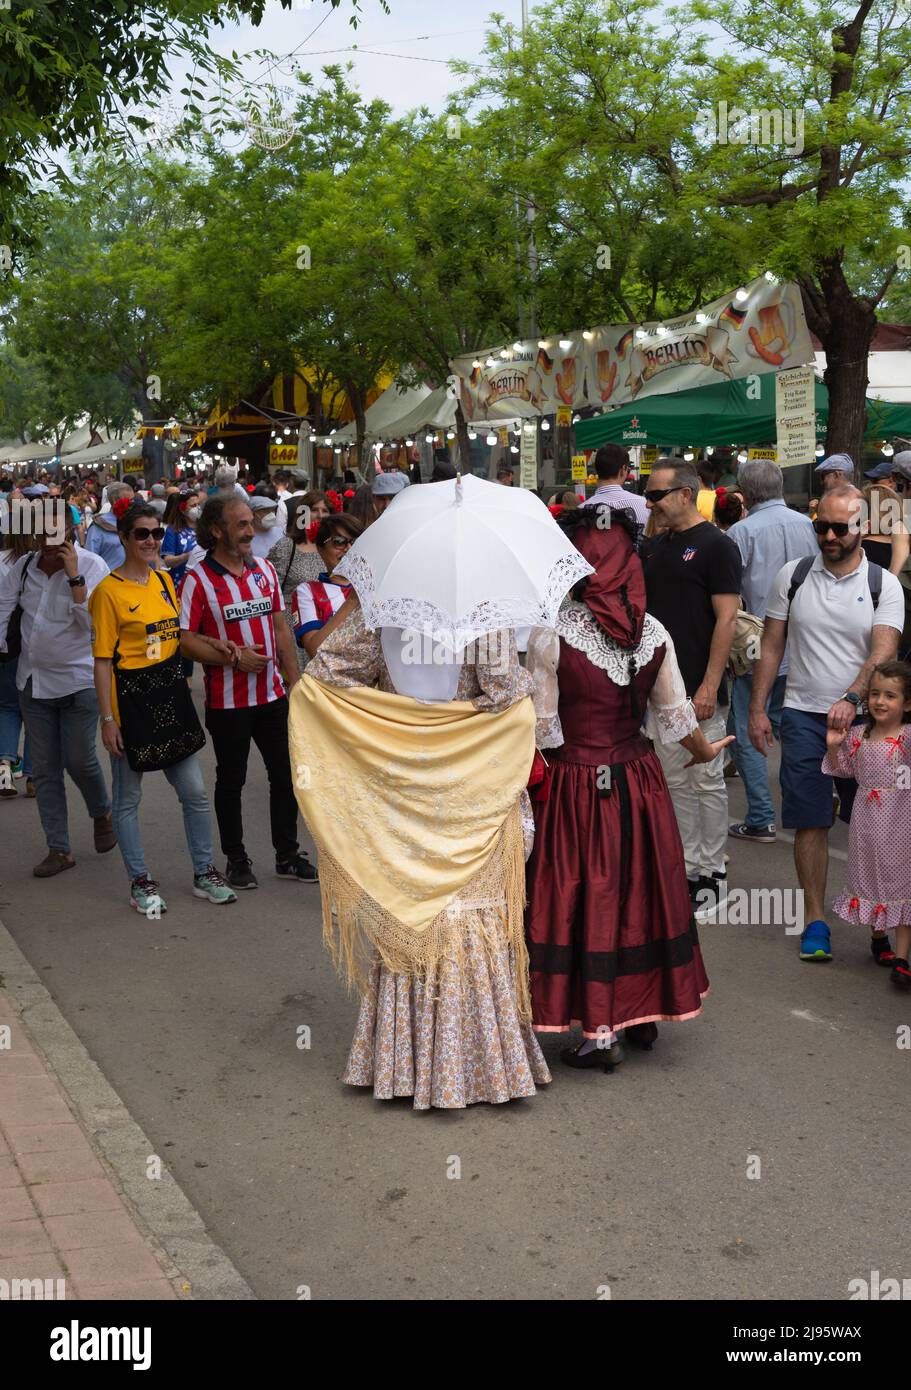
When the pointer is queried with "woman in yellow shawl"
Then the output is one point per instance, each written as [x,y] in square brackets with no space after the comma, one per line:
[411,777]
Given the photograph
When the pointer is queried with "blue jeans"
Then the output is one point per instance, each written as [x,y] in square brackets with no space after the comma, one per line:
[752,767]
[11,718]
[62,734]
[186,779]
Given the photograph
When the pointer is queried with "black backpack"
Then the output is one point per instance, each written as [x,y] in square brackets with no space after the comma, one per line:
[805,564]
[14,626]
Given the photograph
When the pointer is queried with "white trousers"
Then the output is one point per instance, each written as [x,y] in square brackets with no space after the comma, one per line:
[700,800]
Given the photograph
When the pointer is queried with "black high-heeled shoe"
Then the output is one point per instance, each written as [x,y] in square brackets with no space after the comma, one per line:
[642,1035]
[606,1057]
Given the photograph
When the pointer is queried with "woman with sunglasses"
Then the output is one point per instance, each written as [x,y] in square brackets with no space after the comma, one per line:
[317,600]
[148,721]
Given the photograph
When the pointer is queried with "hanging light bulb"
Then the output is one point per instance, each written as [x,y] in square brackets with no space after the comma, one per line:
[287,431]
[688,455]
[566,344]
[409,443]
[576,419]
[513,448]
[543,342]
[545,424]
[819,451]
[709,451]
[701,317]
[518,347]
[491,439]
[472,434]
[476,364]
[221,443]
[588,335]
[491,361]
[641,332]
[661,331]
[742,456]
[450,434]
[429,438]
[741,294]
[887,450]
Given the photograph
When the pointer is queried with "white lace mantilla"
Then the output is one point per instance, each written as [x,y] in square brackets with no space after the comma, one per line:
[457,630]
[579,629]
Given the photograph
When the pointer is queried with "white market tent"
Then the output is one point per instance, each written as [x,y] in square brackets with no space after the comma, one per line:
[395,402]
[98,453]
[434,410]
[889,375]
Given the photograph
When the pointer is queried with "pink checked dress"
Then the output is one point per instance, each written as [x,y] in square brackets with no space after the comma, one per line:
[878,890]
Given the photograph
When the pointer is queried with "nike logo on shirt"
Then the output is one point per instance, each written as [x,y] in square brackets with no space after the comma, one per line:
[134,607]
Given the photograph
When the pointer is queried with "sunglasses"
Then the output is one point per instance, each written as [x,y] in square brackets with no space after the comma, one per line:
[143,533]
[658,494]
[341,541]
[839,528]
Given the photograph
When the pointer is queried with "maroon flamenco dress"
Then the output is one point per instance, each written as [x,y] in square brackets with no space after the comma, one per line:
[612,939]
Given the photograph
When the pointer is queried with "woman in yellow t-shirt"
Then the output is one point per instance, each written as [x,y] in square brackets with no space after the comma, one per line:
[149,723]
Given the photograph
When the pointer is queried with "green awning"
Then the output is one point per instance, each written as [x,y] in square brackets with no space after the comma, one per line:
[726,413]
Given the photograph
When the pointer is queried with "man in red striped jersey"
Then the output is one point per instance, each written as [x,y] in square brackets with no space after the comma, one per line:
[234,596]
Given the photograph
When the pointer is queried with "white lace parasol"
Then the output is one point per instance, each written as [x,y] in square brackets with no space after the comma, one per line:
[456,559]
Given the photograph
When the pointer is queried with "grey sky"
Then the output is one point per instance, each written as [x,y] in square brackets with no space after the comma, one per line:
[404,76]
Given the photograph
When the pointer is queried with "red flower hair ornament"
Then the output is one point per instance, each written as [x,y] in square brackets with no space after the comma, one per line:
[121,505]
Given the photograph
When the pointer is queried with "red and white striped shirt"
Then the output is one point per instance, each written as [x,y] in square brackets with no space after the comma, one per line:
[219,604]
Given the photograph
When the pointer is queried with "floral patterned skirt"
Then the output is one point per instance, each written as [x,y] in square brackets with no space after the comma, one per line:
[454,1037]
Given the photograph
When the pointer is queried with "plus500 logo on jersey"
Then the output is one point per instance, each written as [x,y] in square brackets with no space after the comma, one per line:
[250,608]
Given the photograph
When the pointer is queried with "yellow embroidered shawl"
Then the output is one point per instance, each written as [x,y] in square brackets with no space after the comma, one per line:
[407,804]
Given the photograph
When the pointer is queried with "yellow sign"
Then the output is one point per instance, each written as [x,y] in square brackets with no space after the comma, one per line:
[283,455]
[763,454]
[564,416]
[580,468]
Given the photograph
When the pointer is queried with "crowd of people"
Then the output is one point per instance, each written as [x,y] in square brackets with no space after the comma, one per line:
[633,712]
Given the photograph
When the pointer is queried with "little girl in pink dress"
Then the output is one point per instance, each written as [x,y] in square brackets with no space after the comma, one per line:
[878,889]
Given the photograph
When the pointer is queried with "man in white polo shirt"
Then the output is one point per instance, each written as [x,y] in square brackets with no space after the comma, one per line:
[835,634]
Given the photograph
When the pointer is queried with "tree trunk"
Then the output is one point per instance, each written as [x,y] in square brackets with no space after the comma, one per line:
[463,441]
[845,324]
[357,397]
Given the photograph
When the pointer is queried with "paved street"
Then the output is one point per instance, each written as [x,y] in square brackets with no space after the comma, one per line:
[636,1180]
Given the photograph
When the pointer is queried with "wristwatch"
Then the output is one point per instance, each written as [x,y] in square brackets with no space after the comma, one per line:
[851,698]
[74,583]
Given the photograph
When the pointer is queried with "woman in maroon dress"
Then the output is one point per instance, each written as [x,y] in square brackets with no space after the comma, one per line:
[611,934]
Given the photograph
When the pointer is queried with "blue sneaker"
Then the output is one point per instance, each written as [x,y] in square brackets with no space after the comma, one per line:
[815,943]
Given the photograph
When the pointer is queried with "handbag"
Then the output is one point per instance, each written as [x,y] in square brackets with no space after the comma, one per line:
[158,720]
[14,626]
[747,642]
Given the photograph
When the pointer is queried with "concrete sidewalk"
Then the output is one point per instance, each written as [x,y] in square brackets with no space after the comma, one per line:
[86,1205]
[62,1217]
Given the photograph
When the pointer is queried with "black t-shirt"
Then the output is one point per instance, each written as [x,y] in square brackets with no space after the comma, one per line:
[682,572]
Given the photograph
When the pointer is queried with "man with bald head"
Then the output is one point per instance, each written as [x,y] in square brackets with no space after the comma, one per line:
[840,616]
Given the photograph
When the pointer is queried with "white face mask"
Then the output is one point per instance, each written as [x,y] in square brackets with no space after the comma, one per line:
[193,513]
[270,520]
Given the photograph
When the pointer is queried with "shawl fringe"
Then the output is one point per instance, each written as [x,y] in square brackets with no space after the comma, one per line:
[354,922]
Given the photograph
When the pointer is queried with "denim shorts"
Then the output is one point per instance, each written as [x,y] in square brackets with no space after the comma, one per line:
[806,791]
